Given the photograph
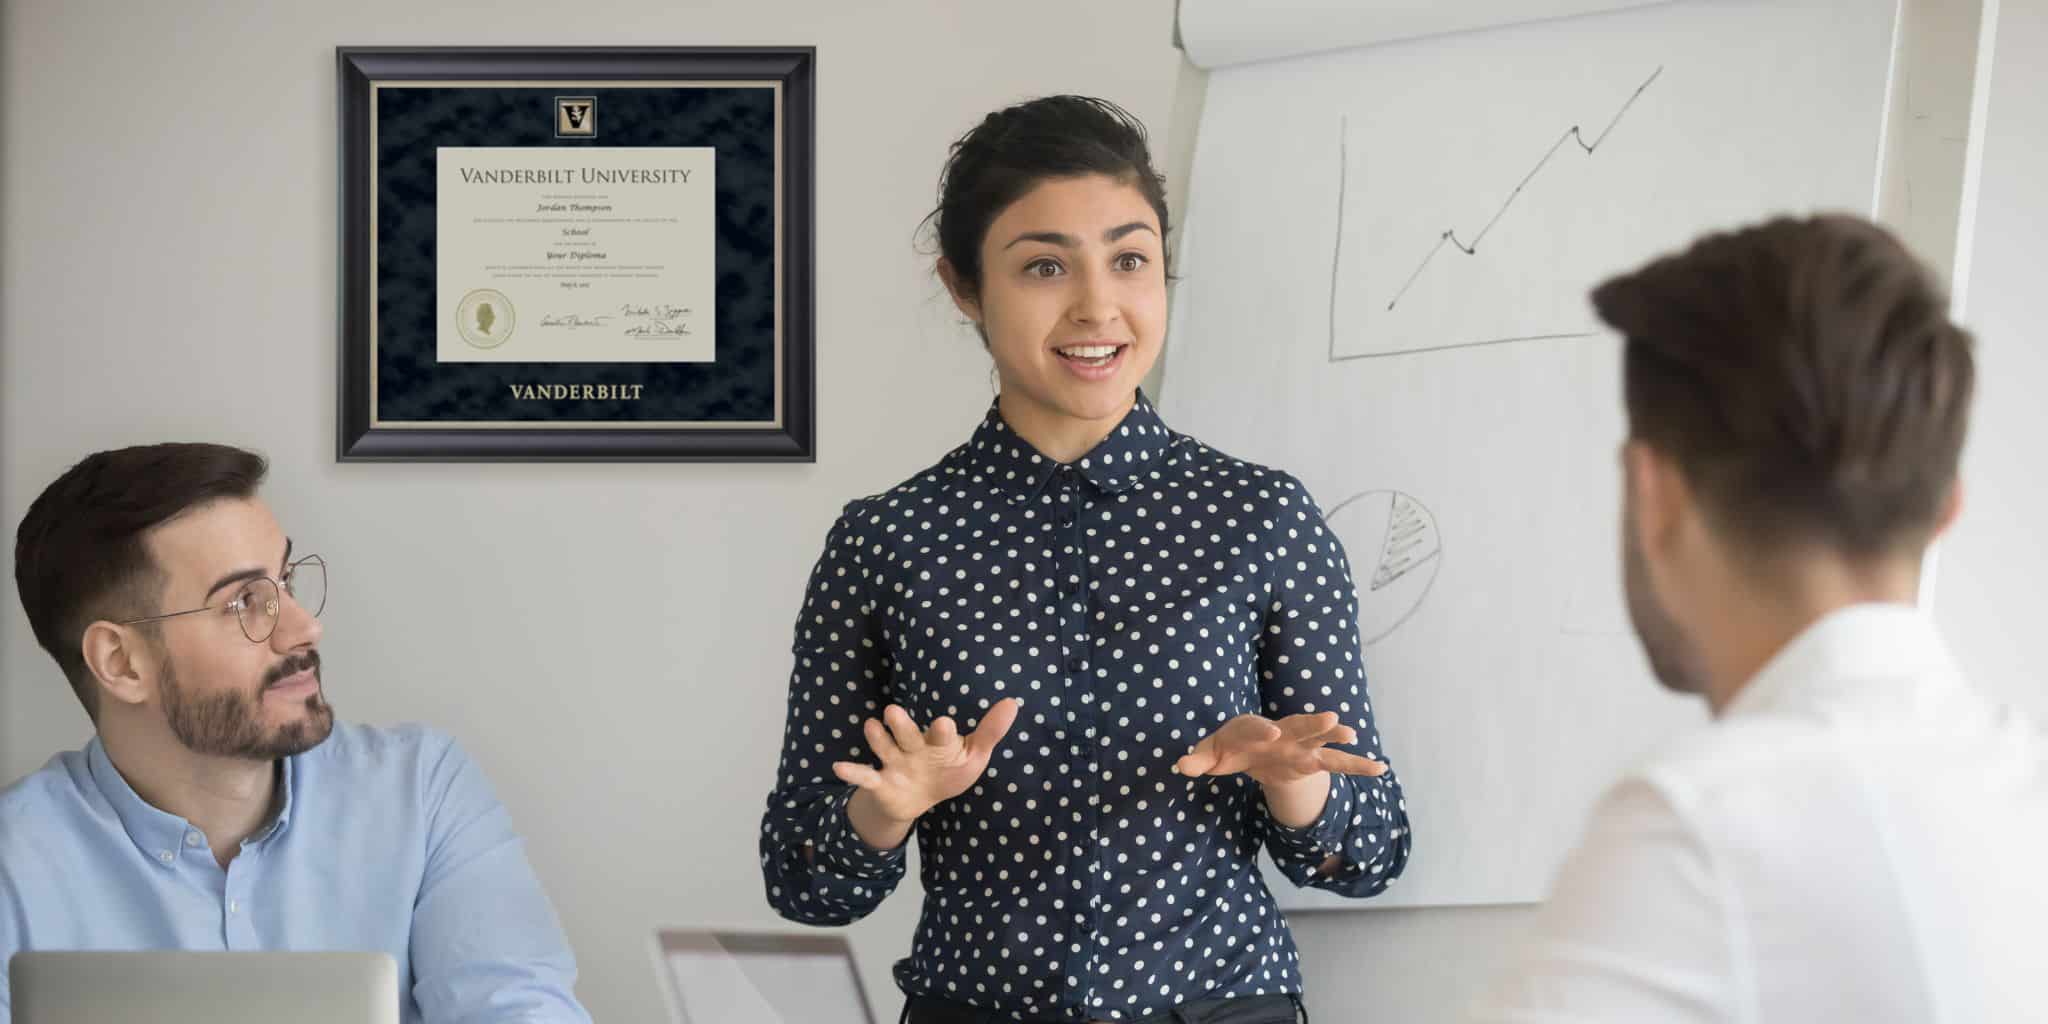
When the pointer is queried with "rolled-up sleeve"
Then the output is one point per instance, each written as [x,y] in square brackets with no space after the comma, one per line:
[1310,660]
[817,869]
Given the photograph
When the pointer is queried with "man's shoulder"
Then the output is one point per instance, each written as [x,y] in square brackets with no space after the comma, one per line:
[368,754]
[1724,766]
[35,809]
[1762,792]
[56,782]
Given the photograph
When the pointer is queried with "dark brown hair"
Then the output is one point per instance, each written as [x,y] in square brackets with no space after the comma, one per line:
[1805,376]
[1016,149]
[79,554]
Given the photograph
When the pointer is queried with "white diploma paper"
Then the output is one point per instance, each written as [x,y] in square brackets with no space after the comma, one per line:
[575,255]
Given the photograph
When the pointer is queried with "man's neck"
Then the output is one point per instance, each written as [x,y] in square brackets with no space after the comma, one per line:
[225,798]
[1760,621]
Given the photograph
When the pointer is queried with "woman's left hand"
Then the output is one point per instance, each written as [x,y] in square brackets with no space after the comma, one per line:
[1276,753]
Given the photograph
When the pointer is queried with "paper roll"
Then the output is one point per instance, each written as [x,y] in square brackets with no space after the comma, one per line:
[1219,33]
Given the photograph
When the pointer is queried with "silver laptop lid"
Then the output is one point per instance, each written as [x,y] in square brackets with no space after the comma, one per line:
[172,987]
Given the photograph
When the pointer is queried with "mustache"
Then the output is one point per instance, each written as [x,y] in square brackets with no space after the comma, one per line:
[293,666]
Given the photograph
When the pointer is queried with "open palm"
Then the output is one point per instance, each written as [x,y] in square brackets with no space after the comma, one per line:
[923,768]
[1278,752]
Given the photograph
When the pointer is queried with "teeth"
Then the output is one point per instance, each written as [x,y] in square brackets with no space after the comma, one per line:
[1089,351]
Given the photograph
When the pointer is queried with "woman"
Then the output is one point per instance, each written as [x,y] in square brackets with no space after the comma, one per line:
[1093,664]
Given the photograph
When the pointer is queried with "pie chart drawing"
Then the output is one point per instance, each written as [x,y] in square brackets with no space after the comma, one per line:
[1399,534]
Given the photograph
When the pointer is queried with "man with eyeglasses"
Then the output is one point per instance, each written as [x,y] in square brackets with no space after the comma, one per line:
[219,806]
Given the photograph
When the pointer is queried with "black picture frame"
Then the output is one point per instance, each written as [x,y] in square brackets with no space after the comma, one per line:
[396,405]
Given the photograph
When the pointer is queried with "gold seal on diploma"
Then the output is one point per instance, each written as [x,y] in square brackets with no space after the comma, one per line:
[484,318]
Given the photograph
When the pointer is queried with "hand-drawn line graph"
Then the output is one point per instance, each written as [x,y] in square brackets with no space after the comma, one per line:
[1449,235]
[1403,534]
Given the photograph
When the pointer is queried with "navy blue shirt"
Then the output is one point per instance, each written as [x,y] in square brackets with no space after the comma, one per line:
[1134,600]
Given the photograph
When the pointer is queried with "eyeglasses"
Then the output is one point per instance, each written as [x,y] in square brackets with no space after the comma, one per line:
[256,605]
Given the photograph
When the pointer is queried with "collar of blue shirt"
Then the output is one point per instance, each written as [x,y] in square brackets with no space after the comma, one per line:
[158,833]
[1139,445]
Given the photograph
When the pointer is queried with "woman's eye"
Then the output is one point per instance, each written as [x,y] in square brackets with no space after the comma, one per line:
[1131,261]
[1042,268]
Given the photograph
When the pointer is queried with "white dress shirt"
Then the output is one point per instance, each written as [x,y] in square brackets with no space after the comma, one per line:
[1859,837]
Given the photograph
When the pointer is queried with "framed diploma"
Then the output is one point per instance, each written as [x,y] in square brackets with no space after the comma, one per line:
[576,254]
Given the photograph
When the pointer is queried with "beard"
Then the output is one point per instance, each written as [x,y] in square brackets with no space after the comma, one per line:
[230,723]
[1673,658]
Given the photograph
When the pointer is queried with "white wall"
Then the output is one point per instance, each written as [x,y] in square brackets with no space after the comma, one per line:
[612,642]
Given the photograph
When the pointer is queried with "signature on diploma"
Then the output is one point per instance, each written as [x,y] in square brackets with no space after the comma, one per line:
[658,311]
[657,329]
[574,320]
[658,320]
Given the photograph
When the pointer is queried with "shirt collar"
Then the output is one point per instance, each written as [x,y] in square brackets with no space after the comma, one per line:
[1012,466]
[283,818]
[157,832]
[1863,651]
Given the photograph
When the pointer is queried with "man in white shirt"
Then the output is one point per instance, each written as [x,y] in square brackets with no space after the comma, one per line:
[1858,836]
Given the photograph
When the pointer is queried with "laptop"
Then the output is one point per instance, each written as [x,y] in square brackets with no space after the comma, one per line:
[720,977]
[170,987]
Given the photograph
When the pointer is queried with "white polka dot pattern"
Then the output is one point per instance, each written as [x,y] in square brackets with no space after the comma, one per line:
[1134,600]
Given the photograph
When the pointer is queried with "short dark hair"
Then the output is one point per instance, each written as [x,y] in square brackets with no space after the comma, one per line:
[79,554]
[1805,377]
[1014,150]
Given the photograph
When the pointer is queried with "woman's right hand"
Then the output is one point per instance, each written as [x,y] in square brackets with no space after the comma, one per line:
[921,769]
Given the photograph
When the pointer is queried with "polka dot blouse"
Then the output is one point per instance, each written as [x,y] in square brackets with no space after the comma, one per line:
[1134,600]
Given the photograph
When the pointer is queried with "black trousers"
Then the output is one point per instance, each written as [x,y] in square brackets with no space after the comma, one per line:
[1248,1010]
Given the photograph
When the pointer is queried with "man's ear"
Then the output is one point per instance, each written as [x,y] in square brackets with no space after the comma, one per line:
[964,297]
[1658,494]
[1951,507]
[120,663]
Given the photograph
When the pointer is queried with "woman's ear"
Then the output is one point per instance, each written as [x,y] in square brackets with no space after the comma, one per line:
[962,292]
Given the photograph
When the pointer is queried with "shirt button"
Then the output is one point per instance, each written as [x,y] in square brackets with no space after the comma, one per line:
[193,839]
[165,856]
[1076,663]
[234,906]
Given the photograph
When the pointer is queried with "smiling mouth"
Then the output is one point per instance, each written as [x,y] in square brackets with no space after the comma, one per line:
[1091,355]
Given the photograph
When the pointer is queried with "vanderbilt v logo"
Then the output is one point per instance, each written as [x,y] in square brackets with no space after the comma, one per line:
[575,116]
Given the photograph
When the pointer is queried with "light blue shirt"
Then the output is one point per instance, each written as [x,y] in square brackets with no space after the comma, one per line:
[387,840]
